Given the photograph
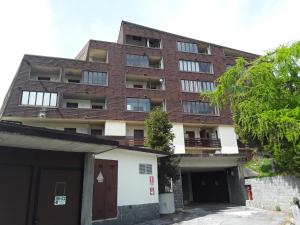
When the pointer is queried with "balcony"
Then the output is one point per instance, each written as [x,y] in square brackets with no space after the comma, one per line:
[132,141]
[202,143]
[98,55]
[144,61]
[82,101]
[142,41]
[145,82]
[45,73]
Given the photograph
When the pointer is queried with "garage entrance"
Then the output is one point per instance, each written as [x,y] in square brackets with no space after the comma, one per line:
[40,187]
[205,187]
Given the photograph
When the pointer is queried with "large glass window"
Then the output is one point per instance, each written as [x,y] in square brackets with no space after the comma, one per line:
[137,60]
[197,107]
[195,66]
[97,78]
[34,98]
[196,86]
[138,104]
[187,47]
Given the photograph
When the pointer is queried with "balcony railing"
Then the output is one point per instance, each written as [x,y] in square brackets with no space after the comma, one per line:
[202,143]
[131,141]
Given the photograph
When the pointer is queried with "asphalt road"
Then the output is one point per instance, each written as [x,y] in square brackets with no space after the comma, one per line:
[220,214]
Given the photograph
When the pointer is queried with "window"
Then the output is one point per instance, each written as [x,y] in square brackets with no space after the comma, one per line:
[44,78]
[70,130]
[145,168]
[138,86]
[97,78]
[72,105]
[96,132]
[76,81]
[138,104]
[33,98]
[95,106]
[196,86]
[195,66]
[197,107]
[187,47]
[137,60]
[193,48]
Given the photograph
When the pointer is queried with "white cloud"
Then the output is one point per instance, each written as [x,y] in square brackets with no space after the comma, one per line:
[26,28]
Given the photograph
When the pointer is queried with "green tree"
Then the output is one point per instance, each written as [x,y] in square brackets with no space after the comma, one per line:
[264,97]
[160,137]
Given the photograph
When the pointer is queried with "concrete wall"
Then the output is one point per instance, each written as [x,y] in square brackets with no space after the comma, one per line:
[236,187]
[270,192]
[133,188]
[179,138]
[115,128]
[228,140]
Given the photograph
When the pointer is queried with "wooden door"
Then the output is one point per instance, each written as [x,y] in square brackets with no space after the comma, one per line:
[105,189]
[59,197]
[14,194]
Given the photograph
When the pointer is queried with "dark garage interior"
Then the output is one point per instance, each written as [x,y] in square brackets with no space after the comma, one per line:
[211,186]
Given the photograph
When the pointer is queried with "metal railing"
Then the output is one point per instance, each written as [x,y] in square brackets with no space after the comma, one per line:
[202,142]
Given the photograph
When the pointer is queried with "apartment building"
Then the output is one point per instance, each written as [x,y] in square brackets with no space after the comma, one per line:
[109,88]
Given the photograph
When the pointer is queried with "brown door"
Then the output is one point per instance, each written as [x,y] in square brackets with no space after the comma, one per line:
[105,189]
[59,197]
[14,194]
[190,142]
[138,137]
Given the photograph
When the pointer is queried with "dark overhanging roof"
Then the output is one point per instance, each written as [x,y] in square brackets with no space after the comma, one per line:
[15,127]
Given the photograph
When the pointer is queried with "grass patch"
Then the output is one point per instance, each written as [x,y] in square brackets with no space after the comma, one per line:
[262,166]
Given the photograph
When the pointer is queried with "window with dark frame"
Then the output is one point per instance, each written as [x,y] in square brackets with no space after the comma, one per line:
[195,86]
[195,66]
[70,130]
[96,132]
[198,107]
[44,78]
[72,105]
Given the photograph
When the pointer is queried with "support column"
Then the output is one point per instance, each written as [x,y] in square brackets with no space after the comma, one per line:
[87,189]
[178,194]
[179,138]
[228,140]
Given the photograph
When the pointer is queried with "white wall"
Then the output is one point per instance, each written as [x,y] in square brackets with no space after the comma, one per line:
[80,128]
[178,141]
[133,188]
[115,128]
[228,140]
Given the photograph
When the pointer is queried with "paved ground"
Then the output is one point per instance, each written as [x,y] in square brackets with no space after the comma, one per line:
[221,215]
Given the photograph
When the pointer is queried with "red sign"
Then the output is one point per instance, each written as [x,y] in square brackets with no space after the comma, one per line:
[151,180]
[152,191]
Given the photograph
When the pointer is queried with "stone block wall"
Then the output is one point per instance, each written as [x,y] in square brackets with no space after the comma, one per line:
[178,194]
[272,192]
[132,214]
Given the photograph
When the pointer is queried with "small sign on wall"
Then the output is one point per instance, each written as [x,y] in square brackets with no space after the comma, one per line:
[60,200]
[152,191]
[151,180]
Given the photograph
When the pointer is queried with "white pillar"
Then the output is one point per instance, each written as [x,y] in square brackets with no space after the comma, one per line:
[115,128]
[179,138]
[228,139]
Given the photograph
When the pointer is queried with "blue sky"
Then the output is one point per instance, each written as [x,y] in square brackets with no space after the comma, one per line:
[61,28]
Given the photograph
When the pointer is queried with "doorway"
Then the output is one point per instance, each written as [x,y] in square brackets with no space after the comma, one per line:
[40,188]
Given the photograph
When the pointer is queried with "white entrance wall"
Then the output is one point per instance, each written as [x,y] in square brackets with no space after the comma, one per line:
[133,187]
[228,139]
[115,128]
[179,138]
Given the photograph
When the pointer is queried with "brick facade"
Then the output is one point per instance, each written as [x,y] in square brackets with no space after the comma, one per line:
[116,92]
